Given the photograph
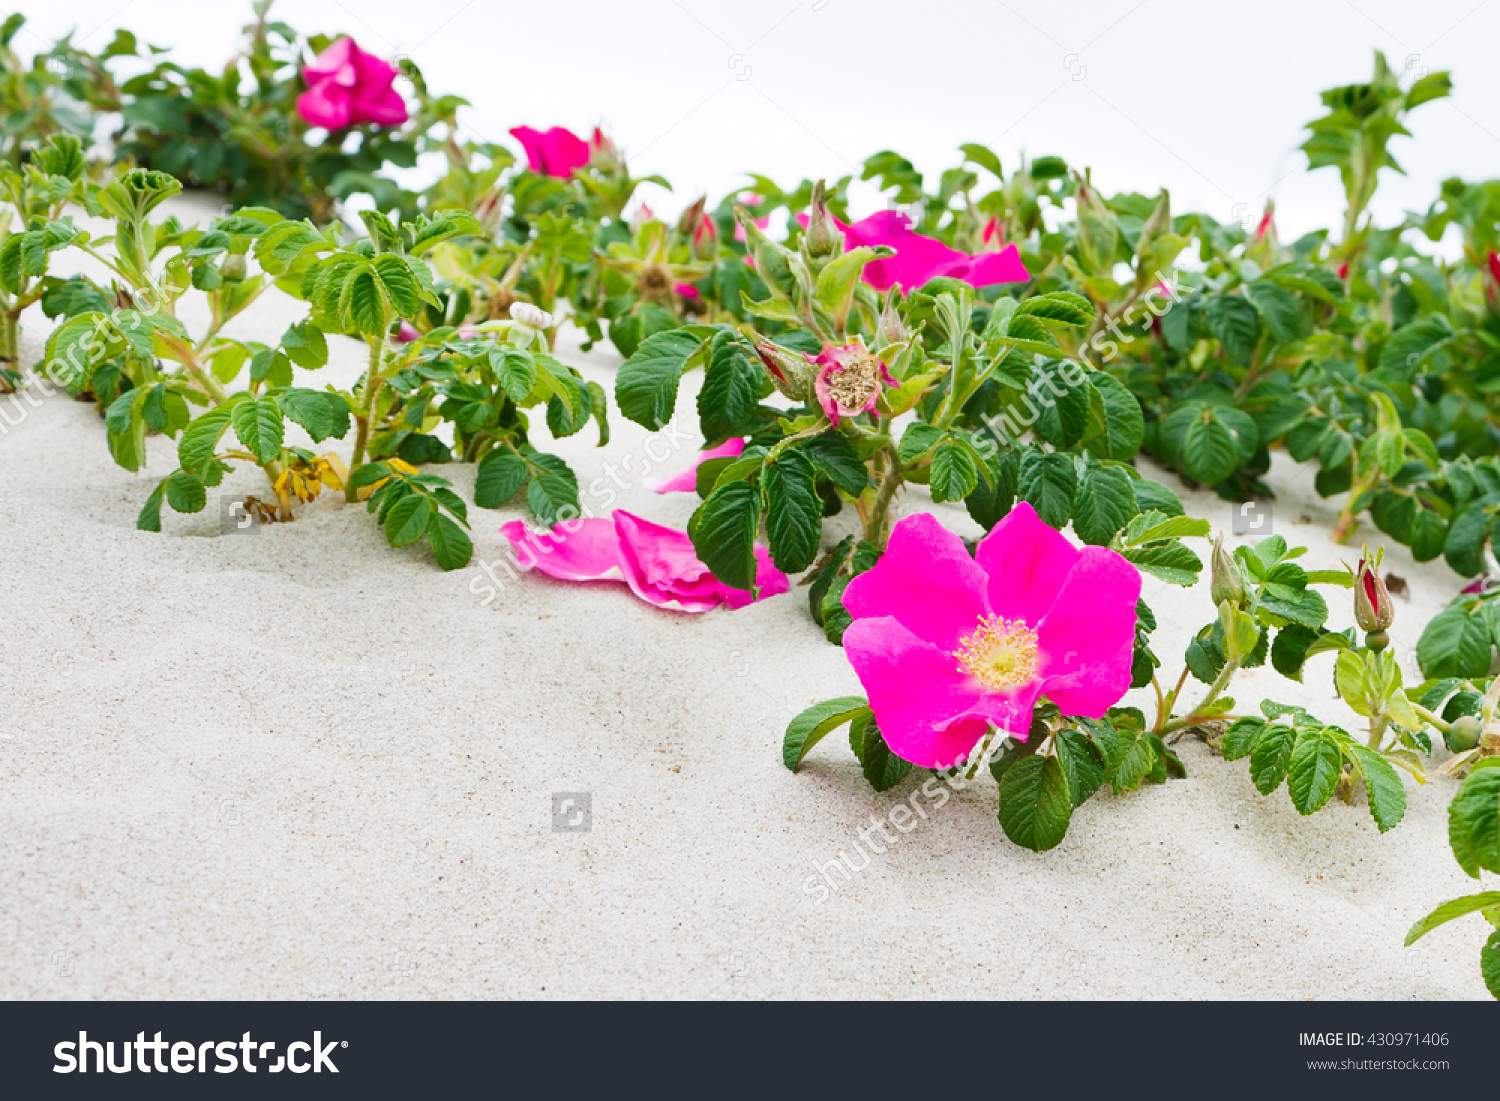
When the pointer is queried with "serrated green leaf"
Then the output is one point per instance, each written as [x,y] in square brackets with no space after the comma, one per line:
[809,728]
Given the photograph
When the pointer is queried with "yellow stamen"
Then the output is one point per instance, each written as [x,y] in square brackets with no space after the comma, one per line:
[1001,653]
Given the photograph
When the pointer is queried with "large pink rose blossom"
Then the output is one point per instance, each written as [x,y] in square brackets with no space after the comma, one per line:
[849,380]
[558,151]
[920,259]
[658,563]
[346,86]
[687,481]
[947,645]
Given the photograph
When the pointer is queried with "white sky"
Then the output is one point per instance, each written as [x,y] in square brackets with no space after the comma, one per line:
[1205,98]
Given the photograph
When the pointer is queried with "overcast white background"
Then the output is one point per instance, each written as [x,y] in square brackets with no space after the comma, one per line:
[1207,99]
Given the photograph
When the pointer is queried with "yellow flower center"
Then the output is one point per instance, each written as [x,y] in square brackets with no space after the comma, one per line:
[858,382]
[1001,653]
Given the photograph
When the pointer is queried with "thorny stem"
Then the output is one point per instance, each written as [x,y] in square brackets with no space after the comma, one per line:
[877,527]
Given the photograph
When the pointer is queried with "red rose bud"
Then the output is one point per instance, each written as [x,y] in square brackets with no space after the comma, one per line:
[1493,260]
[1372,604]
[790,371]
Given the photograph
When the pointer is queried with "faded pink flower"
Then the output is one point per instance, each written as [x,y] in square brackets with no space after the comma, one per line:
[947,645]
[658,563]
[920,259]
[346,86]
[687,481]
[849,379]
[558,151]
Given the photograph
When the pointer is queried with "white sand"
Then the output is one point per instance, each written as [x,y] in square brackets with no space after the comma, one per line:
[298,763]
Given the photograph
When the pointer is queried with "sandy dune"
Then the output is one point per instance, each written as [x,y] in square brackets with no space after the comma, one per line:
[297,763]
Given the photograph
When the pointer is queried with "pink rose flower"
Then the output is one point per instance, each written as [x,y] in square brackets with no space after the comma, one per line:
[947,645]
[849,380]
[346,86]
[555,152]
[658,563]
[919,259]
[687,481]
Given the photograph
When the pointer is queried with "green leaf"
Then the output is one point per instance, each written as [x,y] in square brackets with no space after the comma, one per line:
[723,533]
[407,520]
[553,491]
[917,440]
[794,512]
[515,371]
[500,476]
[1103,504]
[1382,786]
[1209,450]
[646,386]
[1035,803]
[1474,822]
[954,473]
[1171,562]
[808,728]
[257,423]
[361,302]
[401,287]
[1316,765]
[1271,756]
[450,544]
[305,345]
[185,492]
[1239,740]
[200,439]
[1048,482]
[1124,425]
[149,518]
[1489,964]
[1455,644]
[1289,651]
[321,413]
[835,457]
[1082,763]
[731,390]
[1449,910]
[882,768]
[1277,308]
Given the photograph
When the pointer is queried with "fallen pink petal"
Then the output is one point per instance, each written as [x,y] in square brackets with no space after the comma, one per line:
[658,563]
[687,481]
[947,645]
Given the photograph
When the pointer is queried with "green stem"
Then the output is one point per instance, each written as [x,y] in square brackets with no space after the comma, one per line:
[877,528]
[367,416]
[1428,716]
[1214,691]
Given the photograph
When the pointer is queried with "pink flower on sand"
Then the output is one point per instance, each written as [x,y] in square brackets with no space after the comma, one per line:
[555,152]
[919,259]
[658,563]
[346,86]
[947,645]
[849,379]
[687,481]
